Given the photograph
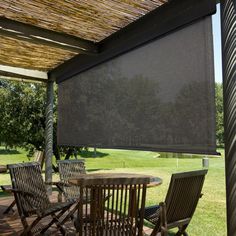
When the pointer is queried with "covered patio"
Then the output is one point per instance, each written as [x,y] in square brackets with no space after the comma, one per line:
[52,42]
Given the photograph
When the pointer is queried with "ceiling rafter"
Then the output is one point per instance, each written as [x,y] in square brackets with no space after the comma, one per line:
[33,34]
[21,73]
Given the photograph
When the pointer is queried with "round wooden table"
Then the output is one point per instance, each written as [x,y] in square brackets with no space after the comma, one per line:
[114,178]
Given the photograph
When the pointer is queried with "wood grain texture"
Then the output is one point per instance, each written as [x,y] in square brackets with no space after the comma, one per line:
[121,213]
[115,178]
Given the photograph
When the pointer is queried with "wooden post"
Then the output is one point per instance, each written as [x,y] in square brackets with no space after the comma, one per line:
[49,135]
[228,29]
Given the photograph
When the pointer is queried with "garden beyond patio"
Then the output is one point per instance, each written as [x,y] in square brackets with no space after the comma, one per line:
[210,213]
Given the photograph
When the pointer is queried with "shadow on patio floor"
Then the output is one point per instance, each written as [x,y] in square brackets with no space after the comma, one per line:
[10,224]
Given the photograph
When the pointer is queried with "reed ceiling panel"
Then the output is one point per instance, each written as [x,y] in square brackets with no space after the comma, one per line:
[31,56]
[88,19]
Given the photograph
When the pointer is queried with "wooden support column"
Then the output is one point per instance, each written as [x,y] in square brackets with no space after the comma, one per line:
[228,28]
[49,135]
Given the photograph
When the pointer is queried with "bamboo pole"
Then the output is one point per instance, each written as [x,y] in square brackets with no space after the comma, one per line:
[49,135]
[228,28]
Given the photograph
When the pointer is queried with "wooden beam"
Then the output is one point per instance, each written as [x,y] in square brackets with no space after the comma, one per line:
[37,35]
[164,19]
[21,73]
[21,79]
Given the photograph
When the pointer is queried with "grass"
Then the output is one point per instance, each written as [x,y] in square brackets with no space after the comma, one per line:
[209,218]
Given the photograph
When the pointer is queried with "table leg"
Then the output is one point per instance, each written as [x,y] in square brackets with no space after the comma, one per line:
[132,208]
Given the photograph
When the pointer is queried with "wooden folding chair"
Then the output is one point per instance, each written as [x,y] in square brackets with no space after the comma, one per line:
[69,169]
[119,214]
[180,203]
[32,199]
[39,157]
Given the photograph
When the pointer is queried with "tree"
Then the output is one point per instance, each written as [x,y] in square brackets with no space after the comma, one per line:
[219,114]
[22,114]
[22,117]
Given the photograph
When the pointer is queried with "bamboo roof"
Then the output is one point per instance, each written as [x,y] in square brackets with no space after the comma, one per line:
[27,55]
[88,19]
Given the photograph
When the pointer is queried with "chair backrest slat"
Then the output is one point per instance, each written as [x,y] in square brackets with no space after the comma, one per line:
[27,177]
[69,169]
[39,156]
[183,195]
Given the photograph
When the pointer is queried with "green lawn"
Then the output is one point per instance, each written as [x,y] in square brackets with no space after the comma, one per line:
[209,218]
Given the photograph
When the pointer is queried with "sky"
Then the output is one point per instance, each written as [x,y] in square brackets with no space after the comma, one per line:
[217,45]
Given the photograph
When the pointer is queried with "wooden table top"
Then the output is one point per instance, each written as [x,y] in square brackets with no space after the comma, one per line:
[116,178]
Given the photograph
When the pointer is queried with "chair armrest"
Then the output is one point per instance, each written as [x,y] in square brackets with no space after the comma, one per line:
[59,183]
[6,188]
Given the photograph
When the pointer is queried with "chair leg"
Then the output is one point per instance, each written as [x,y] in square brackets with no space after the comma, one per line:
[27,230]
[53,221]
[25,225]
[155,231]
[71,213]
[10,208]
[59,224]
[164,229]
[161,226]
[182,231]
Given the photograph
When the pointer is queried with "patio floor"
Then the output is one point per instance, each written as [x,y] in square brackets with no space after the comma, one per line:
[10,223]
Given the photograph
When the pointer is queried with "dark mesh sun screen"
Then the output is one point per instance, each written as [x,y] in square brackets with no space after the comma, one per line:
[159,96]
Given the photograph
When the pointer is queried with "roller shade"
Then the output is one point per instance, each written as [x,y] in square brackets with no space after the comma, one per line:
[159,96]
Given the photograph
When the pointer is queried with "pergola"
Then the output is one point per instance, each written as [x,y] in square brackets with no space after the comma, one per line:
[49,41]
